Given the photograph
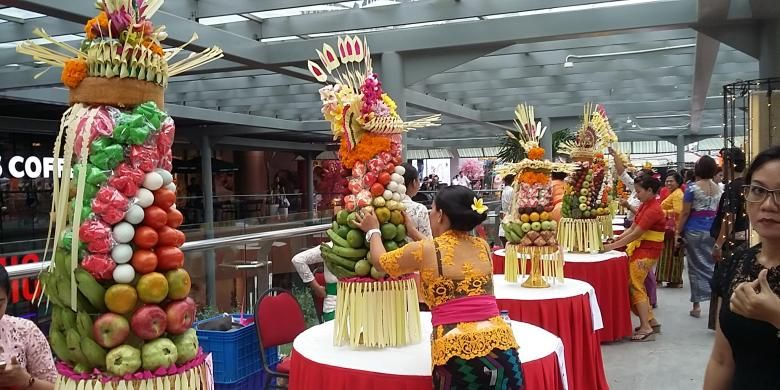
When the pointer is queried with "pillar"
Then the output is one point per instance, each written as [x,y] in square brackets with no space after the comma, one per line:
[547,140]
[769,59]
[680,152]
[208,214]
[394,85]
[310,190]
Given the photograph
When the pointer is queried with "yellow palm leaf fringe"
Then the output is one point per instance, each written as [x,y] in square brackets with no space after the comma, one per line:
[580,235]
[546,263]
[377,314]
[606,226]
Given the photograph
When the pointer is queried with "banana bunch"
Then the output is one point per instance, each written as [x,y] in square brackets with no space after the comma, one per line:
[342,258]
[57,284]
[70,336]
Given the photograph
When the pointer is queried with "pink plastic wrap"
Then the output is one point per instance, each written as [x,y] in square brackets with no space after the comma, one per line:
[67,371]
[145,157]
[102,125]
[124,184]
[97,235]
[110,204]
[125,169]
[101,266]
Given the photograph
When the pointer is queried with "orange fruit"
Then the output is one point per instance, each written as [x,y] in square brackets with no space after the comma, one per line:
[524,218]
[534,216]
[544,216]
[152,287]
[121,298]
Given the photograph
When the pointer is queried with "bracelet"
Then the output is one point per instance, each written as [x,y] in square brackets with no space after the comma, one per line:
[371,233]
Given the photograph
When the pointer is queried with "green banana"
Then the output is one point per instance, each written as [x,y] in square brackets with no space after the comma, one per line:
[510,236]
[73,341]
[59,345]
[56,318]
[336,259]
[516,229]
[68,318]
[81,368]
[84,305]
[52,293]
[63,290]
[95,354]
[338,271]
[92,290]
[349,253]
[337,240]
[84,325]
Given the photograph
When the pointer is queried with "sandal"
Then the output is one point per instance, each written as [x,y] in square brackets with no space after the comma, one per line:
[643,337]
[695,313]
[656,329]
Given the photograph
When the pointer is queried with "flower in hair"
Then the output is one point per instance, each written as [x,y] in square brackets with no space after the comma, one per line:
[478,206]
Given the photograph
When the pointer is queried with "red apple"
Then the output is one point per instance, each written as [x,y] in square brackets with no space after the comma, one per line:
[377,189]
[369,179]
[383,178]
[149,322]
[181,314]
[110,330]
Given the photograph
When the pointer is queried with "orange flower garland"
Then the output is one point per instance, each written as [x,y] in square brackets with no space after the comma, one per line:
[367,147]
[100,21]
[75,71]
[534,177]
[536,153]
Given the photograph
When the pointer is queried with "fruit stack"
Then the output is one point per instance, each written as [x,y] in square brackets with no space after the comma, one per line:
[529,228]
[119,295]
[364,120]
[586,200]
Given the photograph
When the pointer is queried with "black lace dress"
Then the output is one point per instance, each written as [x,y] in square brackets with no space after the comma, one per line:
[755,345]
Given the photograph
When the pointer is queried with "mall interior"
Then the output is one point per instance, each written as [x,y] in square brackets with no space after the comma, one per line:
[256,165]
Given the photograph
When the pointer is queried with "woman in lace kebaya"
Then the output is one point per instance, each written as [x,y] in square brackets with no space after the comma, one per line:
[745,354]
[26,362]
[472,347]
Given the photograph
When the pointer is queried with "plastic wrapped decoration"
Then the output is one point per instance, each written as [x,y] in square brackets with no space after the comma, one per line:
[585,207]
[529,227]
[117,290]
[372,310]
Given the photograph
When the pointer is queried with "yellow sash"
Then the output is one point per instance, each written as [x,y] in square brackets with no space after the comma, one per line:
[648,235]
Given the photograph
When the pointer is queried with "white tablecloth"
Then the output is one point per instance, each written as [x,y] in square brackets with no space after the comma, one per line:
[618,220]
[316,344]
[570,288]
[500,252]
[592,257]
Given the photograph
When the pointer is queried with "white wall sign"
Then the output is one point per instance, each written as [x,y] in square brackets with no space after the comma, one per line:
[31,167]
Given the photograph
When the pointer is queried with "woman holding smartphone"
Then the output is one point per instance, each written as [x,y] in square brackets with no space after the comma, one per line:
[25,356]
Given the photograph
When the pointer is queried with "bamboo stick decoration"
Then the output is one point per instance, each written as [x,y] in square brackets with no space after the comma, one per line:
[546,265]
[510,263]
[377,314]
[580,235]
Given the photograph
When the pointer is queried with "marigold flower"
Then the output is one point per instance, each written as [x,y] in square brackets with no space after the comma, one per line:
[75,71]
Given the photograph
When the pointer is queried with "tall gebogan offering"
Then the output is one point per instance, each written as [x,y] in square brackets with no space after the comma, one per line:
[116,286]
[372,310]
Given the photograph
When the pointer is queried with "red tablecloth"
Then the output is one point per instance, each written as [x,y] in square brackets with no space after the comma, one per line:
[569,318]
[318,364]
[608,274]
[540,374]
[498,261]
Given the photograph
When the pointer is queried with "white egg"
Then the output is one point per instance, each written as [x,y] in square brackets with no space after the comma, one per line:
[166,176]
[122,253]
[123,232]
[124,273]
[402,189]
[387,195]
[397,178]
[144,197]
[171,186]
[397,197]
[153,181]
[400,170]
[135,214]
[392,186]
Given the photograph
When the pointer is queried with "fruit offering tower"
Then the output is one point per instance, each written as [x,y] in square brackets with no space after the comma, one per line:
[529,228]
[586,196]
[372,310]
[119,295]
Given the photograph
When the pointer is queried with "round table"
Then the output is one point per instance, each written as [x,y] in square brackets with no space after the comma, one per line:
[618,229]
[568,310]
[318,364]
[498,261]
[608,274]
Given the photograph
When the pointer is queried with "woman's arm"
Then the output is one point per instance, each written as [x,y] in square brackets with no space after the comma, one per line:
[631,235]
[684,214]
[720,369]
[301,262]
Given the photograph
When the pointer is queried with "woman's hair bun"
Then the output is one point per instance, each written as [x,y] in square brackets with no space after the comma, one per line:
[455,202]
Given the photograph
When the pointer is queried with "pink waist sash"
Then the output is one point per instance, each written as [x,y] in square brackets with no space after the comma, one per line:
[465,309]
[704,213]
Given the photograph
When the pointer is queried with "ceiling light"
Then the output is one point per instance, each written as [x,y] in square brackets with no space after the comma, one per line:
[628,120]
[568,64]
[633,125]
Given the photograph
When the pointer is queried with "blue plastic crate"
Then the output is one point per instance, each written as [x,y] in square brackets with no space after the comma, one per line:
[235,353]
[253,382]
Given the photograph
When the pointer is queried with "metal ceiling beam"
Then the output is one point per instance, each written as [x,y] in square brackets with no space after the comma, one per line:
[236,48]
[710,12]
[401,14]
[519,29]
[255,144]
[54,26]
[29,125]
[613,109]
[211,8]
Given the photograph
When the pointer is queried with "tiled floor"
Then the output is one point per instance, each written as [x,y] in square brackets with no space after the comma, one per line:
[678,357]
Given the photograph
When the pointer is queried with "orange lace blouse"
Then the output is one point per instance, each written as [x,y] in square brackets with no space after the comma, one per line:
[451,266]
